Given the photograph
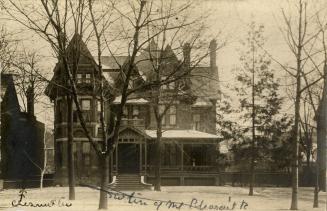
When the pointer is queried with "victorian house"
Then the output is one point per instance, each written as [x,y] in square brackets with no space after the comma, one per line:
[189,141]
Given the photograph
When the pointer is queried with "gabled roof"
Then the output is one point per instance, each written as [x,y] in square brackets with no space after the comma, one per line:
[134,101]
[10,102]
[113,63]
[138,131]
[77,43]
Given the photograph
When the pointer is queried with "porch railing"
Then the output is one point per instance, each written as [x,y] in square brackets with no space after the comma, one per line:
[139,123]
[185,168]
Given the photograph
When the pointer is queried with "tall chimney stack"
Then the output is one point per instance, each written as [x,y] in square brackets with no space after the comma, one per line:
[30,101]
[213,56]
[187,55]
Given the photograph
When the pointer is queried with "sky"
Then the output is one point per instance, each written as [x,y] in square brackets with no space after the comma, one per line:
[228,16]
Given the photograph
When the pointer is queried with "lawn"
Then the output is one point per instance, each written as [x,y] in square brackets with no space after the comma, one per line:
[170,198]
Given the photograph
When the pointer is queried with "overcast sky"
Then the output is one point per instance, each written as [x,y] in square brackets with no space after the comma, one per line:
[229,16]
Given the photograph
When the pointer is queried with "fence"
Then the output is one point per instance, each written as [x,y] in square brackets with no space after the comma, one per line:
[275,179]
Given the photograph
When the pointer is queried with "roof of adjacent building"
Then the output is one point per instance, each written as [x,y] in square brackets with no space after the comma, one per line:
[182,134]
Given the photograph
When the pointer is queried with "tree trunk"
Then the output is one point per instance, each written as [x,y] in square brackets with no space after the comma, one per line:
[157,186]
[103,202]
[70,153]
[41,179]
[295,144]
[316,191]
[253,132]
[322,135]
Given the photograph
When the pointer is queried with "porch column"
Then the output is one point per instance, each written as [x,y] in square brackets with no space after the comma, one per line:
[116,159]
[145,157]
[141,162]
[182,156]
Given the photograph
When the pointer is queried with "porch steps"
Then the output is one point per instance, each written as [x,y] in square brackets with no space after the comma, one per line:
[129,182]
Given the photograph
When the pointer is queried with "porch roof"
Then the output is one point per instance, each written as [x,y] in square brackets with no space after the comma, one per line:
[138,101]
[182,134]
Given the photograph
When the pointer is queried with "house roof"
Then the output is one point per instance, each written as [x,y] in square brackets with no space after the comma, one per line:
[112,63]
[182,134]
[204,82]
[202,102]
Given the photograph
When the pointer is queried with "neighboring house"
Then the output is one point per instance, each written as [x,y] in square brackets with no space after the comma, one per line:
[21,139]
[190,144]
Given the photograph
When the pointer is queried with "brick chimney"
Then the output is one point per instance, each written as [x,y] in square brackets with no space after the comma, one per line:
[30,101]
[187,55]
[213,56]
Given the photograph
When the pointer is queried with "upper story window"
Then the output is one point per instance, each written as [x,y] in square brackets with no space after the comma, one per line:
[86,105]
[125,112]
[99,106]
[83,78]
[135,112]
[131,112]
[161,111]
[166,85]
[196,121]
[172,115]
[98,113]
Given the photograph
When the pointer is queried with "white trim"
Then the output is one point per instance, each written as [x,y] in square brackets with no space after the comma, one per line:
[78,139]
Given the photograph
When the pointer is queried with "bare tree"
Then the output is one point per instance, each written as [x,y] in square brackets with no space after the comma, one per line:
[8,48]
[61,18]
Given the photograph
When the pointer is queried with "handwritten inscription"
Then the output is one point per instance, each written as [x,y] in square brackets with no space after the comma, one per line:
[197,204]
[52,203]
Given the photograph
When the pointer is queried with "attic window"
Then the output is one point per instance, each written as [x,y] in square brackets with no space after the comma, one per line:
[83,78]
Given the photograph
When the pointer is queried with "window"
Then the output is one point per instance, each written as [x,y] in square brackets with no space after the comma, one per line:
[196,121]
[98,110]
[74,106]
[86,154]
[87,78]
[75,116]
[125,112]
[136,112]
[59,111]
[79,78]
[99,105]
[83,78]
[171,85]
[161,111]
[164,86]
[130,84]
[172,115]
[86,105]
[60,151]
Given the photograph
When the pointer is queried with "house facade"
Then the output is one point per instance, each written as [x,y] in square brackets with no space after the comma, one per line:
[189,140]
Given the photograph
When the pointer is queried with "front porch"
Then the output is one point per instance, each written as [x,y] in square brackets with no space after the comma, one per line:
[188,156]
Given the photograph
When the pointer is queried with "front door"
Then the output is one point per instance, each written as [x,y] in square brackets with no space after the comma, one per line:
[128,158]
